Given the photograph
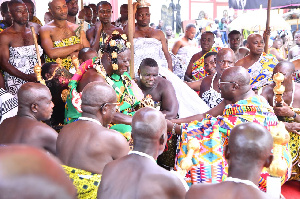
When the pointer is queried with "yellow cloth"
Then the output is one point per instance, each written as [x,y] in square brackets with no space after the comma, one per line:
[86,183]
[66,62]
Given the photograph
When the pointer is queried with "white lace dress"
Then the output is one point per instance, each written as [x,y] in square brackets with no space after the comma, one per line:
[189,102]
[184,54]
[24,59]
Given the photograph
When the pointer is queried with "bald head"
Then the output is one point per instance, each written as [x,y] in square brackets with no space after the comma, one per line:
[236,74]
[31,93]
[86,54]
[28,172]
[224,59]
[97,93]
[284,67]
[250,142]
[148,125]
[253,36]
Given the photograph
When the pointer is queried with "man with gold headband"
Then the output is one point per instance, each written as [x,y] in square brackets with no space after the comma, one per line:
[60,38]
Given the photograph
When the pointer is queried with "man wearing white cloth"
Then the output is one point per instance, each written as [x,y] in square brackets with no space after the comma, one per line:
[150,43]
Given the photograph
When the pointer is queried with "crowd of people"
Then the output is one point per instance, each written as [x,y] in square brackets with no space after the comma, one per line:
[193,122]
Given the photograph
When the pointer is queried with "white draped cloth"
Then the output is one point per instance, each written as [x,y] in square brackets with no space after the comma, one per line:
[189,102]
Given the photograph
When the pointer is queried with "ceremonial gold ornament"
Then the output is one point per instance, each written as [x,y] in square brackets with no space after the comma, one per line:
[124,36]
[112,43]
[279,89]
[75,62]
[115,32]
[281,137]
[192,146]
[143,4]
[64,94]
[114,55]
[38,72]
[115,66]
[128,44]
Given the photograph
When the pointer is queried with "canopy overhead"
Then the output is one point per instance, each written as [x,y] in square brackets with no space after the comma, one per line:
[255,4]
[256,20]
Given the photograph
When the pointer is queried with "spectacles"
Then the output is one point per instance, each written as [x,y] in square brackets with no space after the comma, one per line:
[227,82]
[115,103]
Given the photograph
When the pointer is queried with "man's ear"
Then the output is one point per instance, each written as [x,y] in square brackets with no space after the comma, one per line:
[48,76]
[268,161]
[162,139]
[104,109]
[227,153]
[34,107]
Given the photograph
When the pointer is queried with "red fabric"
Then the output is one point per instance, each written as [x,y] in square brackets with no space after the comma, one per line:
[291,189]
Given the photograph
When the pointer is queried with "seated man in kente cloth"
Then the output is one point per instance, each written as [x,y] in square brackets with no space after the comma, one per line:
[195,69]
[61,38]
[259,64]
[248,152]
[209,164]
[288,112]
[86,146]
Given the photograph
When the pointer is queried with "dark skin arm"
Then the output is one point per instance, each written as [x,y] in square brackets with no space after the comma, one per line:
[121,118]
[205,85]
[286,111]
[293,127]
[165,50]
[176,47]
[58,52]
[217,110]
[119,145]
[48,139]
[93,36]
[195,85]
[169,103]
[6,66]
[2,85]
[278,56]
[188,72]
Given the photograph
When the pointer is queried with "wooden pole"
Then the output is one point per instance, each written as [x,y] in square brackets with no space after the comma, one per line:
[36,45]
[131,29]
[81,5]
[268,26]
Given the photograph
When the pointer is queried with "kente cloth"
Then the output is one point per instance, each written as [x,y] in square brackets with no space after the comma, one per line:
[2,25]
[86,182]
[295,153]
[212,97]
[198,70]
[122,86]
[261,71]
[209,164]
[66,62]
[281,52]
[8,105]
[23,58]
[297,76]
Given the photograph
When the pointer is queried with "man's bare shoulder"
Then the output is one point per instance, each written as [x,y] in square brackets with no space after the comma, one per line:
[163,83]
[6,35]
[244,51]
[198,191]
[242,61]
[207,80]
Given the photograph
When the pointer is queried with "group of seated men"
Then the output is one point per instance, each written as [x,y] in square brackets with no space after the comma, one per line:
[109,138]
